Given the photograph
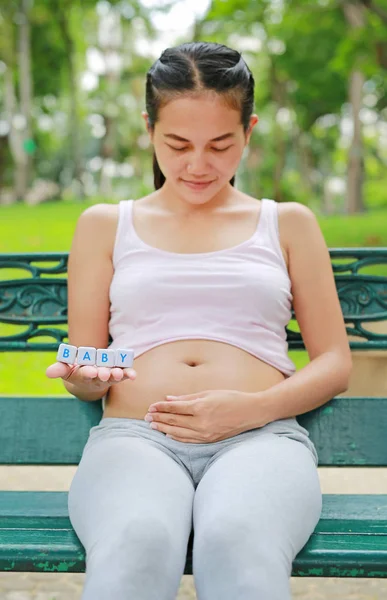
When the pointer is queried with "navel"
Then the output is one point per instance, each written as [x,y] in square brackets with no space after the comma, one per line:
[191,363]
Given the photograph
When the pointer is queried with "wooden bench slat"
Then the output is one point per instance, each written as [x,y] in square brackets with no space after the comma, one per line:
[31,435]
[41,550]
[340,429]
[343,555]
[349,541]
[349,431]
[34,510]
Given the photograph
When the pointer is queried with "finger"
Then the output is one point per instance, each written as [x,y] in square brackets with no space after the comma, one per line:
[185,440]
[178,407]
[59,369]
[129,373]
[88,372]
[181,432]
[103,373]
[171,420]
[117,374]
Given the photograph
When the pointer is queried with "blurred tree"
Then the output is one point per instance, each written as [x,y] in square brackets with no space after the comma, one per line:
[15,53]
[84,84]
[354,14]
[304,55]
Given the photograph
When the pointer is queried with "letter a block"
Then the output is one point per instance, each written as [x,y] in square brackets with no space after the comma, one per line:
[86,355]
[124,357]
[105,358]
[66,354]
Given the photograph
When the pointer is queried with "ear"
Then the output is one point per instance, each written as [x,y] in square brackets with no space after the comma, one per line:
[253,121]
[145,116]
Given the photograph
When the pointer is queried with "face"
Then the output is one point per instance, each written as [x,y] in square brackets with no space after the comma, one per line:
[198,140]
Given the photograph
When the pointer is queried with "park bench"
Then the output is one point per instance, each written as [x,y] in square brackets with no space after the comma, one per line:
[350,539]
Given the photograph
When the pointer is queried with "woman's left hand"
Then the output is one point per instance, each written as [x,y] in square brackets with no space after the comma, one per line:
[203,417]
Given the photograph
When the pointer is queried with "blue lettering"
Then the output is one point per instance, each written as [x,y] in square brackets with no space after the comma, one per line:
[104,357]
[123,356]
[86,356]
[66,352]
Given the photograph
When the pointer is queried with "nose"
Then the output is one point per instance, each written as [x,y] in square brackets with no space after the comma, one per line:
[197,165]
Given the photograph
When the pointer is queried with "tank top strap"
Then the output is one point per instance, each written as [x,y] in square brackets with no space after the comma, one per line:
[269,227]
[124,233]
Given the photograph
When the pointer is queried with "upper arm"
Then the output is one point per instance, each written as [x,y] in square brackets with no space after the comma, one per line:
[90,272]
[315,300]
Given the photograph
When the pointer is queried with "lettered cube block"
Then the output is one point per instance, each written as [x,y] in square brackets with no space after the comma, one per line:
[105,358]
[66,354]
[86,355]
[124,357]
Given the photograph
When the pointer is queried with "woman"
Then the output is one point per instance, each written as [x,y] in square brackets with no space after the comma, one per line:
[198,278]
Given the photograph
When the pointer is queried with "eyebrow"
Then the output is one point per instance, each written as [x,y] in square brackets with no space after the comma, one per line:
[181,139]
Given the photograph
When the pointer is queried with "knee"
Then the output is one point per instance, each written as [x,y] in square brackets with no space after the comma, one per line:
[145,540]
[235,561]
[136,560]
[238,542]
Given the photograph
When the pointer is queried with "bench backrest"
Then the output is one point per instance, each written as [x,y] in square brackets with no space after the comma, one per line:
[53,430]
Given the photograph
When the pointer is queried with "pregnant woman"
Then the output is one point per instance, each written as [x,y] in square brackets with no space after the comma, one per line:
[199,279]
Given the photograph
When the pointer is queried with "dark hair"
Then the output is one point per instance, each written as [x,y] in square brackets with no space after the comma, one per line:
[194,68]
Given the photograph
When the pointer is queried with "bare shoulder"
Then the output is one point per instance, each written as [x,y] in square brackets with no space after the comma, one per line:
[97,224]
[297,223]
[293,215]
[100,214]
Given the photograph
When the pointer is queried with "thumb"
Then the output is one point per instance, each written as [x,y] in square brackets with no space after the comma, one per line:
[59,369]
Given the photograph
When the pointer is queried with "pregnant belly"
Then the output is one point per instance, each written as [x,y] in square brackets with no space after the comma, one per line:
[186,367]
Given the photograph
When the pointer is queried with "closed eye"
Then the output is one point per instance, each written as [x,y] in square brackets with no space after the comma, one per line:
[215,149]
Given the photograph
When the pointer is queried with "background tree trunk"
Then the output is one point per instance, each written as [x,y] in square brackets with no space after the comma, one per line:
[278,93]
[24,165]
[14,136]
[354,13]
[74,129]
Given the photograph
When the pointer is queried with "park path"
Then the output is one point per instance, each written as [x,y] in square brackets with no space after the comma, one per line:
[53,586]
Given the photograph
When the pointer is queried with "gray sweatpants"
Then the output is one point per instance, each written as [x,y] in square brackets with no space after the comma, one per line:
[253,499]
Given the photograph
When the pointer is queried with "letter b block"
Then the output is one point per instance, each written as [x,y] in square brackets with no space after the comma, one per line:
[105,358]
[66,354]
[124,357]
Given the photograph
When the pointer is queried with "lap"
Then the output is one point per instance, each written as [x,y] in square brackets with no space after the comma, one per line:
[126,481]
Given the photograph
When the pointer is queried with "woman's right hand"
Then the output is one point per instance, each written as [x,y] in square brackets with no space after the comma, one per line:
[91,376]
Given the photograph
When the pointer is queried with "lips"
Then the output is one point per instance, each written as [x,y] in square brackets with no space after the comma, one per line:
[194,185]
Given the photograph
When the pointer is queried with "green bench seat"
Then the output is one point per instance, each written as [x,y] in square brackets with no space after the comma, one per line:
[350,539]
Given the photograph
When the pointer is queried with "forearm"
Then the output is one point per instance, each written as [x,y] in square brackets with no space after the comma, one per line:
[85,392]
[319,381]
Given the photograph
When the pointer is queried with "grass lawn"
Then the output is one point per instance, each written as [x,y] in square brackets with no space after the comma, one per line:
[50,227]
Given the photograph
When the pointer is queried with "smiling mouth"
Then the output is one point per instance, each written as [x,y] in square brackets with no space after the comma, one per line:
[196,182]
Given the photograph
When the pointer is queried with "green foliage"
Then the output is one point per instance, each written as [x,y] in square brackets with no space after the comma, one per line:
[312,35]
[49,57]
[301,53]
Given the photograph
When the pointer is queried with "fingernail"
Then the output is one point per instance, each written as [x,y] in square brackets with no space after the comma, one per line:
[171,397]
